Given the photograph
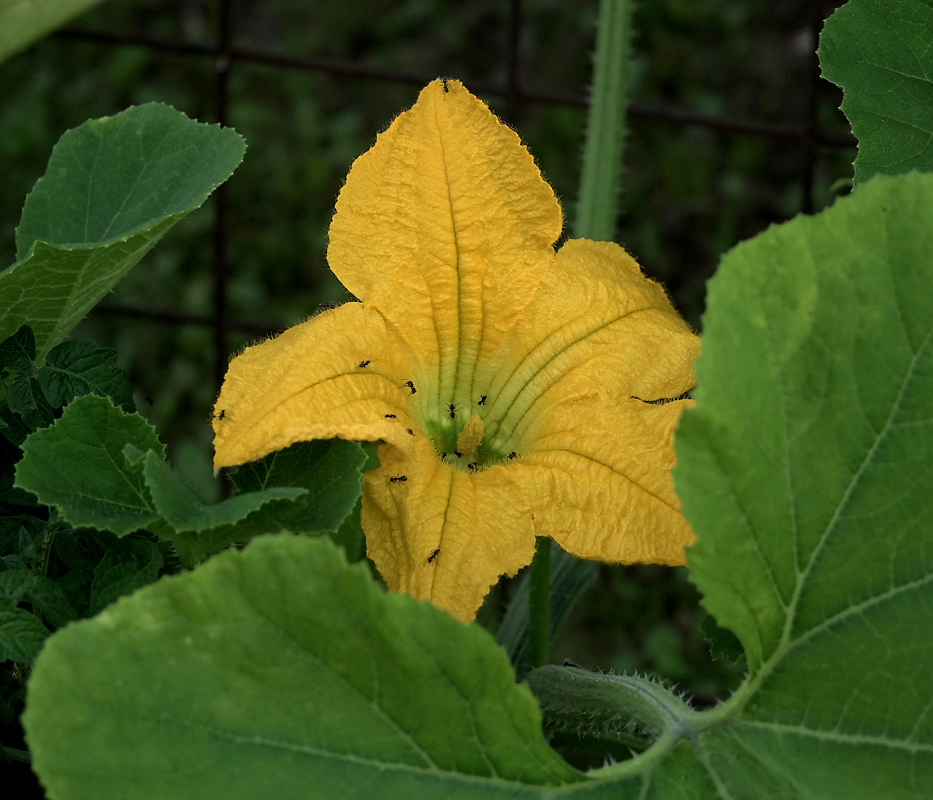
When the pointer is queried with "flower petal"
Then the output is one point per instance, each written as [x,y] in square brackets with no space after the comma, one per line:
[335,375]
[444,535]
[445,226]
[602,345]
[607,498]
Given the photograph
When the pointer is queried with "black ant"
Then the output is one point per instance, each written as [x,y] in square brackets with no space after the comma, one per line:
[410,431]
[472,467]
[434,555]
[482,401]
[452,408]
[223,413]
[326,307]
[389,416]
[512,455]
[411,385]
[364,364]
[444,82]
[458,455]
[398,478]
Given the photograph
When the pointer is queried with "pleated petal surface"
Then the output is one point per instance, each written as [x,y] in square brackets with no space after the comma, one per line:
[446,227]
[335,376]
[443,534]
[603,346]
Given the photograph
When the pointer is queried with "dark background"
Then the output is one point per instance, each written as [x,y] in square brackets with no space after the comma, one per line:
[731,131]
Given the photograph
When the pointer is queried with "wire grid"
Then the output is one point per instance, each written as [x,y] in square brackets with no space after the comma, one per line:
[226,55]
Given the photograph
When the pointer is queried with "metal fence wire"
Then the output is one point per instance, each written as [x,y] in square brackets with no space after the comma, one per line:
[225,55]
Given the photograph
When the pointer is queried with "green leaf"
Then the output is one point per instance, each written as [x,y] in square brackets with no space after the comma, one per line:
[181,508]
[217,526]
[49,599]
[18,352]
[22,634]
[113,187]
[14,583]
[24,21]
[128,565]
[881,53]
[277,669]
[77,466]
[329,469]
[806,471]
[724,645]
[76,368]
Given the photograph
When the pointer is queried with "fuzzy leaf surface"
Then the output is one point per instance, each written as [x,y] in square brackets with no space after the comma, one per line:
[278,668]
[113,187]
[806,469]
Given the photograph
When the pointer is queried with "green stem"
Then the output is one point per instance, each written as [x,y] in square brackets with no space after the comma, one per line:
[539,604]
[605,131]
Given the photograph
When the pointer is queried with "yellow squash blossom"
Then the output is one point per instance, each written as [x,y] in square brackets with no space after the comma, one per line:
[513,389]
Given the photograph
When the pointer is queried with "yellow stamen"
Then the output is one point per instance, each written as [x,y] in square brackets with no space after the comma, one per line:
[470,436]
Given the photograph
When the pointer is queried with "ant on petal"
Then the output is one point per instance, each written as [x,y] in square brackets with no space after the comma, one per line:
[512,455]
[389,416]
[434,555]
[364,364]
[223,413]
[452,408]
[398,478]
[411,385]
[482,401]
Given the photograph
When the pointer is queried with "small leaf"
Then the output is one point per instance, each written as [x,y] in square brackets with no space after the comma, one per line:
[18,352]
[280,668]
[22,634]
[20,397]
[128,565]
[113,187]
[14,583]
[50,600]
[181,508]
[77,465]
[724,645]
[330,471]
[74,369]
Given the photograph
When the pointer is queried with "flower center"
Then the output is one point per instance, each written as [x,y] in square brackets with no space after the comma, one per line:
[470,436]
[466,445]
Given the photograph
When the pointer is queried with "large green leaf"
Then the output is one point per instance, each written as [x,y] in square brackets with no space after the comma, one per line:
[24,21]
[881,53]
[113,187]
[807,471]
[280,671]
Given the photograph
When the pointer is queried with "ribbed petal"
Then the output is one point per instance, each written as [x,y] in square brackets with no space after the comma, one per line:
[600,342]
[446,226]
[308,384]
[442,534]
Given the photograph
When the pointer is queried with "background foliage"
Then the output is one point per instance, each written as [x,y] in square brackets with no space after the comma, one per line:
[690,193]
